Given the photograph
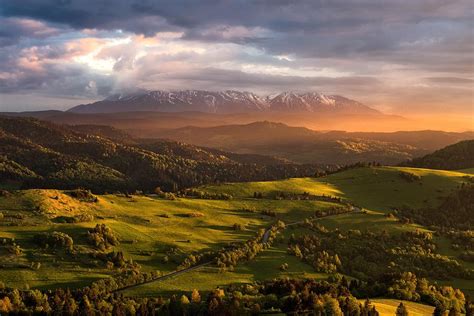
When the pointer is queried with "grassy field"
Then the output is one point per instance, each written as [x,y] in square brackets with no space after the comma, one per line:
[146,236]
[379,188]
[469,171]
[150,227]
[264,267]
[388,307]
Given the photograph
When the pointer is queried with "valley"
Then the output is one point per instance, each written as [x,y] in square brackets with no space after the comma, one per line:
[94,207]
[236,158]
[157,233]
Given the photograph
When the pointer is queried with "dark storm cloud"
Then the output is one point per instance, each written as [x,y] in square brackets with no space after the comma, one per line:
[14,29]
[306,28]
[281,16]
[108,14]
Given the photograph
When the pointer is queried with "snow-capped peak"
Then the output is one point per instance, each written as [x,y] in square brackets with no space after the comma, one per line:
[228,101]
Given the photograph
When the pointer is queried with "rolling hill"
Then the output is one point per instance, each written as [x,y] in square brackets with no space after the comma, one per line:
[158,233]
[241,133]
[41,154]
[453,157]
[303,145]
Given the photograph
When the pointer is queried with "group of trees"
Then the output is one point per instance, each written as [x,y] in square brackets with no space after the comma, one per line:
[288,296]
[195,193]
[82,195]
[336,296]
[453,219]
[367,255]
[306,196]
[228,257]
[409,176]
[55,240]
[102,237]
[11,246]
[455,212]
[380,260]
[116,260]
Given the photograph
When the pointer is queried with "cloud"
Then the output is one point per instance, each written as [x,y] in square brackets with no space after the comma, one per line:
[14,29]
[386,53]
[451,80]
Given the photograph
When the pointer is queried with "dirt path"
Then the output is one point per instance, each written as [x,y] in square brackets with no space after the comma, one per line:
[166,276]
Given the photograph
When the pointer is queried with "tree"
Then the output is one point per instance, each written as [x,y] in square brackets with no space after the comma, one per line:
[439,310]
[298,252]
[195,296]
[401,310]
[331,307]
[352,307]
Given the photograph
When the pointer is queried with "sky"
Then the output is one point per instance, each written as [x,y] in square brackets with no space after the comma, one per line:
[398,56]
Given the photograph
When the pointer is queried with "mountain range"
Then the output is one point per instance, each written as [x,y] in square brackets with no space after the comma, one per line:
[229,101]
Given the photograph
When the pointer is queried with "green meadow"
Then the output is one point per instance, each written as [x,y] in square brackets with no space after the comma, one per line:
[151,228]
[378,188]
[388,307]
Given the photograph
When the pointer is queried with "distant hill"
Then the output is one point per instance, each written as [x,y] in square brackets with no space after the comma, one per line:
[104,131]
[229,101]
[147,123]
[155,124]
[453,157]
[35,153]
[303,145]
[246,134]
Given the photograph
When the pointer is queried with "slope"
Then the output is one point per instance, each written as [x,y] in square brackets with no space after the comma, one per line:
[42,154]
[452,157]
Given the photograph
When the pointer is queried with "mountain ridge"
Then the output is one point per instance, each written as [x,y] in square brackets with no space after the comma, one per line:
[40,154]
[227,101]
[303,145]
[453,157]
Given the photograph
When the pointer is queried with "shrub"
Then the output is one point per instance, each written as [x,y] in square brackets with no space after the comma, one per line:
[74,219]
[269,213]
[102,237]
[238,227]
[55,240]
[409,177]
[14,249]
[164,195]
[82,195]
[207,195]
[4,193]
[284,267]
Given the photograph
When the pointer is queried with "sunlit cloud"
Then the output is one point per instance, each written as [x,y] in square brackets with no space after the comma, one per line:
[397,56]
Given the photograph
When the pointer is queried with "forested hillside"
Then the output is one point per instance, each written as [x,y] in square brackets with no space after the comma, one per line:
[453,157]
[34,153]
[454,213]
